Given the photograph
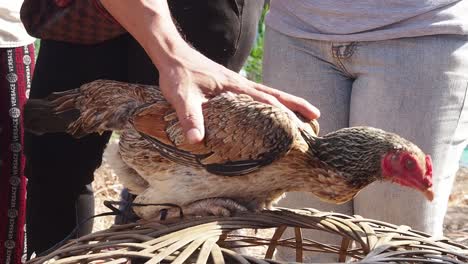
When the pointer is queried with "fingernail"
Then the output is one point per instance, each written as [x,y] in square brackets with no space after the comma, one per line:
[317,112]
[194,136]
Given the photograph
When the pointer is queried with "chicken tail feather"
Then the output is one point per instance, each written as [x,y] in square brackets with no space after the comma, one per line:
[40,117]
[98,106]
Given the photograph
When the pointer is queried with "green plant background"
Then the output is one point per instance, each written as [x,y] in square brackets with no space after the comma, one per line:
[253,66]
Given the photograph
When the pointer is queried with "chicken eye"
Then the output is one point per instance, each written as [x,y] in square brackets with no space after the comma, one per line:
[409,164]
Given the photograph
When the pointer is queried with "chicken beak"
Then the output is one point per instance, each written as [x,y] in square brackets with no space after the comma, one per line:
[429,194]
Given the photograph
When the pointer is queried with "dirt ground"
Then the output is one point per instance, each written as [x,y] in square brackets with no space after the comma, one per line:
[456,220]
[107,187]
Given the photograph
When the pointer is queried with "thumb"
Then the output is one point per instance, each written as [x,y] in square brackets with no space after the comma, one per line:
[189,112]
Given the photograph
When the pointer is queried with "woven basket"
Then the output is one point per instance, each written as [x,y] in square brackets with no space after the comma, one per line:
[211,240]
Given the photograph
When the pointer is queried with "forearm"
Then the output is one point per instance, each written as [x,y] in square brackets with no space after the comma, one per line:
[150,23]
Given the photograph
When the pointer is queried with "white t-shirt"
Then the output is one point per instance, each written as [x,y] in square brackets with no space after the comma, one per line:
[367,20]
[12,32]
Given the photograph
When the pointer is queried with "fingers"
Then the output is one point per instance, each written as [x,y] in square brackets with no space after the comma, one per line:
[292,102]
[274,97]
[272,100]
[190,117]
[188,106]
[262,93]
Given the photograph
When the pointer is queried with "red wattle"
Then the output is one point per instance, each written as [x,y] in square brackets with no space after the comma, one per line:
[428,166]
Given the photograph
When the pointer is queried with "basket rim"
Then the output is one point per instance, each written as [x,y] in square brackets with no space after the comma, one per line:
[366,240]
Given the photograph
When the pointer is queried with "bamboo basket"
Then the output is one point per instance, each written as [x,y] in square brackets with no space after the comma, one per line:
[212,240]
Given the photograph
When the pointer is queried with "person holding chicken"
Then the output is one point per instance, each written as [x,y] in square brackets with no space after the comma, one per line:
[192,48]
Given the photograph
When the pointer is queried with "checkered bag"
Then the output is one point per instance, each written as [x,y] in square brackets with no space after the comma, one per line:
[76,21]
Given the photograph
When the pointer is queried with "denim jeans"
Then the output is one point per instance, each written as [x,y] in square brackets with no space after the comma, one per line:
[415,87]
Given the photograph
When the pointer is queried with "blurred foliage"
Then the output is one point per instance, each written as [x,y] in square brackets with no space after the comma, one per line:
[37,46]
[253,66]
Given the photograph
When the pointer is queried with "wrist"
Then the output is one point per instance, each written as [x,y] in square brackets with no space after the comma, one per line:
[165,46]
[150,23]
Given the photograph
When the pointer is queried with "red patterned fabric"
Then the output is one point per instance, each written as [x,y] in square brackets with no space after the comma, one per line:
[83,21]
[97,4]
[16,68]
[62,3]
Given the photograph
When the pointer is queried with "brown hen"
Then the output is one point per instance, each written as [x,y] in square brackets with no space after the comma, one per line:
[251,155]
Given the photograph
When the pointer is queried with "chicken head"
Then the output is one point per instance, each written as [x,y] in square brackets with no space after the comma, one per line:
[408,169]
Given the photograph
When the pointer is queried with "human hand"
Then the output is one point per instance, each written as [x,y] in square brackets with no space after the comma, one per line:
[187,79]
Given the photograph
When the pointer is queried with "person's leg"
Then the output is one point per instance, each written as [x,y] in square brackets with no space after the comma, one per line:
[16,69]
[58,166]
[415,87]
[307,69]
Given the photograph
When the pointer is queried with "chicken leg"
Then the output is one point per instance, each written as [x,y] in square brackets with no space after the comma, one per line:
[204,207]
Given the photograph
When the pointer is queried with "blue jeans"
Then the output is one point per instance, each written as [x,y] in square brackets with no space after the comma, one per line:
[415,87]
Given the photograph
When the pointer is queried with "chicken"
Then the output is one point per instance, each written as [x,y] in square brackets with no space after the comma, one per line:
[251,155]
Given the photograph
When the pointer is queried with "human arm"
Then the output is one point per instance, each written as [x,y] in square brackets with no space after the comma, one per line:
[188,78]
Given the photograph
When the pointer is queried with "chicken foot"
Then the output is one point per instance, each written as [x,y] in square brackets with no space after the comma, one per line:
[206,207]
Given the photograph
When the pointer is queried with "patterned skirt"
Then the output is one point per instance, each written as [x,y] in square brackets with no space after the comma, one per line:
[16,69]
